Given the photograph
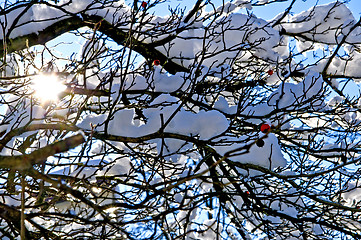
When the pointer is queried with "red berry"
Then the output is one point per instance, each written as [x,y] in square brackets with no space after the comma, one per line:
[270,72]
[260,143]
[265,128]
[144,4]
[156,62]
[247,192]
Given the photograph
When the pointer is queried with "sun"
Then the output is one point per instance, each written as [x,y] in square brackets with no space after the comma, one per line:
[47,87]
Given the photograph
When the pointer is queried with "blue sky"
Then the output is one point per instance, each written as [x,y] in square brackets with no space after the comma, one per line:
[270,10]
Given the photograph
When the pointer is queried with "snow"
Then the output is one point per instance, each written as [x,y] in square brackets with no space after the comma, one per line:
[269,156]
[352,195]
[96,167]
[327,23]
[164,82]
[223,105]
[230,7]
[239,26]
[348,66]
[291,95]
[209,230]
[288,95]
[123,124]
[244,3]
[182,122]
[23,115]
[158,80]
[40,16]
[163,111]
[219,49]
[93,120]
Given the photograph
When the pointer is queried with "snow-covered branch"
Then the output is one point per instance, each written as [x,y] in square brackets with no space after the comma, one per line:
[118,121]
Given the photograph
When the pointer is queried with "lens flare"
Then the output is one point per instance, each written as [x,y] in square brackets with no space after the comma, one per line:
[47,87]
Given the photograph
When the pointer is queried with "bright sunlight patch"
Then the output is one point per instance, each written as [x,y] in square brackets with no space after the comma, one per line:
[47,87]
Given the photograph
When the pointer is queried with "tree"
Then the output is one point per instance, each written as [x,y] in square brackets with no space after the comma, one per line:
[208,123]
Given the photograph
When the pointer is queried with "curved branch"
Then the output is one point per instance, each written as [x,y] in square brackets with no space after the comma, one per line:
[148,137]
[26,161]
[91,21]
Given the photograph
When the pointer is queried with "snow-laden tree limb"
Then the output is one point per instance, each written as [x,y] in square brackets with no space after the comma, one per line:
[118,121]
